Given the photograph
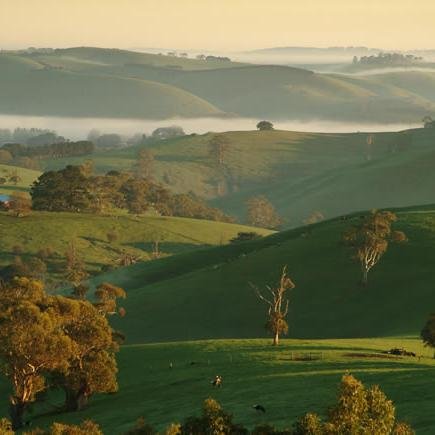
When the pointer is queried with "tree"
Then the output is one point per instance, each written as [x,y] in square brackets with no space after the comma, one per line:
[20,204]
[75,271]
[428,332]
[5,156]
[172,131]
[359,410]
[106,295]
[145,163]
[261,213]
[264,126]
[278,303]
[244,236]
[428,122]
[369,239]
[213,421]
[32,342]
[92,367]
[219,145]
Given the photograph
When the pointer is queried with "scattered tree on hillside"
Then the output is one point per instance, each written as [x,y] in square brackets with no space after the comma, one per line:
[428,332]
[106,296]
[370,140]
[219,145]
[370,238]
[75,271]
[20,204]
[167,132]
[264,126]
[32,343]
[92,367]
[144,164]
[278,303]
[428,122]
[127,259]
[112,236]
[244,236]
[214,421]
[359,410]
[313,218]
[5,156]
[261,213]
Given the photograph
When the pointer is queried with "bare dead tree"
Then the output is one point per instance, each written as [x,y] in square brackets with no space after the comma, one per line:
[278,303]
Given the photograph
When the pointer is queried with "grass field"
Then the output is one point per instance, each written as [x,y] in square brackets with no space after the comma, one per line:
[135,234]
[282,379]
[299,172]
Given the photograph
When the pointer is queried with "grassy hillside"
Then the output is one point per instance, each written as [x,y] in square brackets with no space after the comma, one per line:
[207,293]
[27,177]
[298,172]
[36,89]
[124,84]
[281,379]
[135,234]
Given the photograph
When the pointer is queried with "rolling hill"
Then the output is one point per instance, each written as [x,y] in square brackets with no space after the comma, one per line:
[95,82]
[134,234]
[207,293]
[299,172]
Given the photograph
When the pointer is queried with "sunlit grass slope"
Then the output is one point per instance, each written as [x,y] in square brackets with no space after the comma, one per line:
[135,234]
[27,177]
[281,379]
[209,294]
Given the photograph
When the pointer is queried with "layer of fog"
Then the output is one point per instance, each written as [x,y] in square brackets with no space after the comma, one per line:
[388,70]
[78,128]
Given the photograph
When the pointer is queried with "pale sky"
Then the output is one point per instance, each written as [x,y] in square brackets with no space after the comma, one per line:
[225,25]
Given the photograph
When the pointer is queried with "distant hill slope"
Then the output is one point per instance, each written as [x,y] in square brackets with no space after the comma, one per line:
[30,88]
[208,294]
[99,82]
[299,172]
[134,234]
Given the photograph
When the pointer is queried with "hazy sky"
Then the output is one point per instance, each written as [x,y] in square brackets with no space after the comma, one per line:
[217,24]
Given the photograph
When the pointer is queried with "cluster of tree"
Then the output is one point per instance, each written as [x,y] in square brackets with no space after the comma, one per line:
[57,342]
[48,150]
[388,59]
[115,140]
[29,136]
[261,213]
[73,189]
[370,238]
[428,122]
[264,126]
[88,427]
[213,58]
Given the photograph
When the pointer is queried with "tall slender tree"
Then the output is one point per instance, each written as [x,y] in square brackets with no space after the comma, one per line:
[278,303]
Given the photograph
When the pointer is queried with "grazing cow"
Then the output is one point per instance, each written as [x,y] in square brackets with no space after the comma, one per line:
[259,408]
[217,381]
